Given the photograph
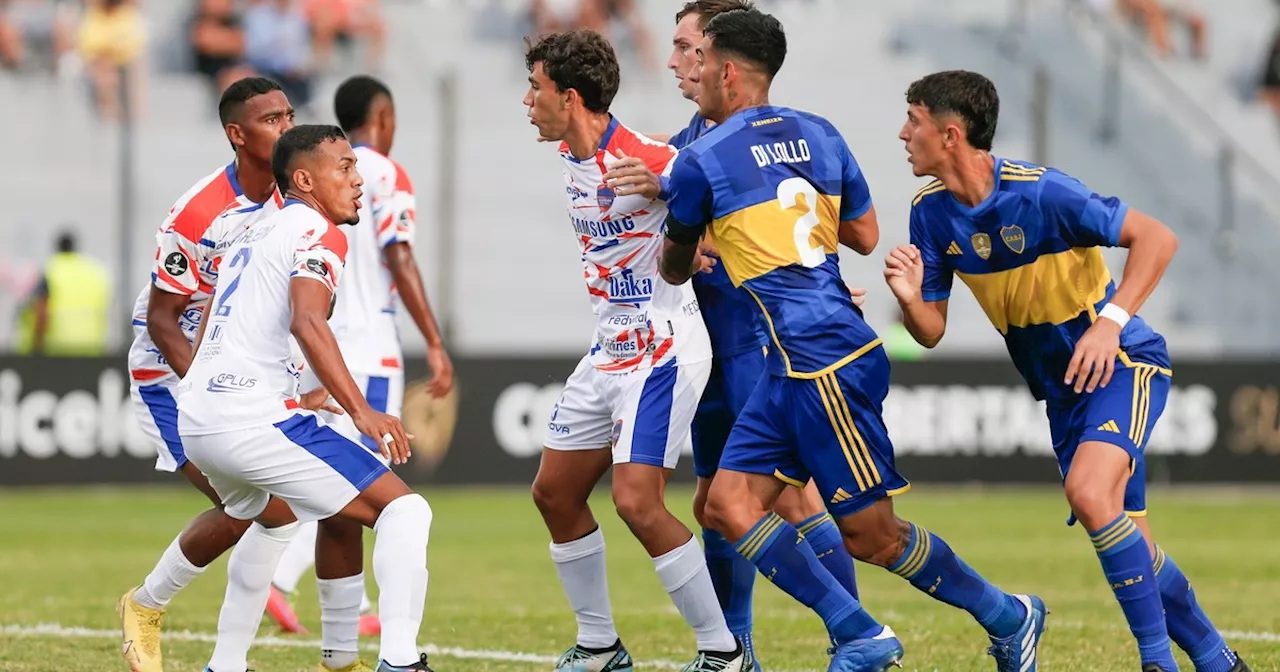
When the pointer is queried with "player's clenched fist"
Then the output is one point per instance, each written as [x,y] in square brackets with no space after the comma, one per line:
[387,432]
[904,271]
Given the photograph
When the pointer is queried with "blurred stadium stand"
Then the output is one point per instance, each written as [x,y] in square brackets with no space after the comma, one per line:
[1178,139]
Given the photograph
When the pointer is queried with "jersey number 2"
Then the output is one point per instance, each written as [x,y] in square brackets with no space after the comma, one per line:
[240,260]
[789,191]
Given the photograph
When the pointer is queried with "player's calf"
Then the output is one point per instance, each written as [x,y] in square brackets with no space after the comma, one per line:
[560,490]
[1095,489]
[339,558]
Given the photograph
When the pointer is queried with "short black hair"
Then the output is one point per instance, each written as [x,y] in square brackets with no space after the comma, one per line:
[581,60]
[751,36]
[67,241]
[354,98]
[965,94]
[709,9]
[239,93]
[295,142]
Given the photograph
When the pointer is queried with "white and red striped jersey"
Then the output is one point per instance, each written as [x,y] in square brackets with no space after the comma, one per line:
[364,317]
[244,374]
[189,247]
[641,320]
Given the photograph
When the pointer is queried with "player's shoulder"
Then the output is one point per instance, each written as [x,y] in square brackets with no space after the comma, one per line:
[1039,184]
[202,204]
[928,196]
[374,165]
[403,183]
[625,140]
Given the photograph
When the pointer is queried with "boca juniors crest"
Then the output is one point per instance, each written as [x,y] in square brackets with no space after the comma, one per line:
[1014,238]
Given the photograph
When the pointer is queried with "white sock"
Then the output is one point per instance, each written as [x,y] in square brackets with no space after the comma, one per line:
[684,574]
[249,573]
[173,573]
[366,605]
[340,619]
[580,564]
[400,567]
[298,557]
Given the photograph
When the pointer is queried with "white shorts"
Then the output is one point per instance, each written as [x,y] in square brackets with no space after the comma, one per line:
[313,468]
[645,415]
[385,394]
[157,414]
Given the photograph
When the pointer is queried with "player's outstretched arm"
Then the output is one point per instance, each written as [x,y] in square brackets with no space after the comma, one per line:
[904,272]
[408,279]
[309,305]
[1151,247]
[164,309]
[861,234]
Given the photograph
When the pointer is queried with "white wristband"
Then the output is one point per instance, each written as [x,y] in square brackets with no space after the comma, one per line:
[1115,313]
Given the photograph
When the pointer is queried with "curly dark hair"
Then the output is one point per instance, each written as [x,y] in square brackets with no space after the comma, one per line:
[965,94]
[581,60]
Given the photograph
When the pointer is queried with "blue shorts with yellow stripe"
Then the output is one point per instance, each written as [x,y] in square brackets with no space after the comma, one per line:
[1122,414]
[828,427]
[732,380]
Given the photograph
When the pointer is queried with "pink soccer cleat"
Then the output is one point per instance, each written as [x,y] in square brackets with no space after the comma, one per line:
[281,612]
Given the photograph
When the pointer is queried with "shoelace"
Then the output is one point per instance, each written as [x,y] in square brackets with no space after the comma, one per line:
[705,663]
[1003,653]
[151,635]
[574,655]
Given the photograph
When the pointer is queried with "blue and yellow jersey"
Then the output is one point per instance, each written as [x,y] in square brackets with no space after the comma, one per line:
[728,311]
[773,184]
[1031,255]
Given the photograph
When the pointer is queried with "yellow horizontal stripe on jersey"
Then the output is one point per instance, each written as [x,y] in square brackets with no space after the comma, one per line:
[762,237]
[1050,290]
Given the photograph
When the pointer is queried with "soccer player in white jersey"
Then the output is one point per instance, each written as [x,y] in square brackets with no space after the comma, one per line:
[630,401]
[242,426]
[254,112]
[380,266]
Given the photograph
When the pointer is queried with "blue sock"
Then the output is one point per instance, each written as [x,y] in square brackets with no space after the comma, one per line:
[734,578]
[931,566]
[1188,625]
[1131,575]
[774,547]
[828,544]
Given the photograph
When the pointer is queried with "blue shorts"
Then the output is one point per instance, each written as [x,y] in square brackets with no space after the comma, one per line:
[829,428]
[1123,414]
[731,383]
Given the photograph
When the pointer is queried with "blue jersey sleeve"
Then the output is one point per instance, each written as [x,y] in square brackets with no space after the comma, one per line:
[682,139]
[937,274]
[689,201]
[855,194]
[1083,218]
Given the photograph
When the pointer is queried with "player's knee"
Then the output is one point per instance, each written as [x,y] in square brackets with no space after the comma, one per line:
[1093,502]
[729,512]
[412,507]
[550,500]
[880,545]
[639,507]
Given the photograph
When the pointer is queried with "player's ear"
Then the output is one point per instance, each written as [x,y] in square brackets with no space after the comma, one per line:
[302,180]
[235,134]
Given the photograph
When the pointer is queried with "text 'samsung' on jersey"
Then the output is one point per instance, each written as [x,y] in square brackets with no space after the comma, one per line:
[773,184]
[1031,255]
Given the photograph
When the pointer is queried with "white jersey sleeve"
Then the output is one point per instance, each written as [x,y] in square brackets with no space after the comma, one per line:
[396,220]
[321,255]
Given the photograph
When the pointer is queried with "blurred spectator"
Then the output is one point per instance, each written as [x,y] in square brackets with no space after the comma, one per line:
[39,28]
[111,39]
[278,45]
[1270,89]
[66,316]
[627,13]
[1155,18]
[217,40]
[344,22]
[553,16]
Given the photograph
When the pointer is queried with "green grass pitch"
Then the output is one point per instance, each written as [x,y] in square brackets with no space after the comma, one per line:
[66,555]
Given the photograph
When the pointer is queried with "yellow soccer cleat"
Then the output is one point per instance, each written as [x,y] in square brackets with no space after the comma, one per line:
[141,627]
[358,666]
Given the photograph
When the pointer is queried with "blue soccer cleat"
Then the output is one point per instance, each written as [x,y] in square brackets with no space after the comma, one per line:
[579,659]
[1017,652]
[874,654]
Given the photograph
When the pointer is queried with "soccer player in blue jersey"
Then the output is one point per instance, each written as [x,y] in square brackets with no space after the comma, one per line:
[738,343]
[1026,240]
[779,190]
